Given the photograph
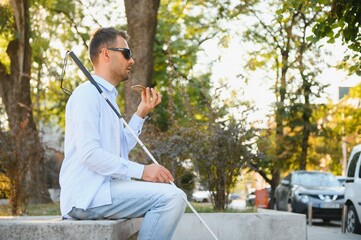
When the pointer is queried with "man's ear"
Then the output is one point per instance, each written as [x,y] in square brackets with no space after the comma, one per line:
[104,54]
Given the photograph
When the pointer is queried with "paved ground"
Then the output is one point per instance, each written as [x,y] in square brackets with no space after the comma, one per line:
[318,230]
[331,231]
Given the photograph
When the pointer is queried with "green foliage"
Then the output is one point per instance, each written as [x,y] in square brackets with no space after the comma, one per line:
[171,149]
[189,118]
[219,153]
[281,46]
[182,28]
[336,124]
[7,24]
[267,159]
[191,123]
[5,184]
[217,148]
[6,20]
[63,29]
[343,20]
[67,26]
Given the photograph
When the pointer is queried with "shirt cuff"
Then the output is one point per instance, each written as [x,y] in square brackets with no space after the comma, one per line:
[136,123]
[135,170]
[138,119]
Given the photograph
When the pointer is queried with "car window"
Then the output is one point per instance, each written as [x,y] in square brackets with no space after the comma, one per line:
[316,179]
[352,165]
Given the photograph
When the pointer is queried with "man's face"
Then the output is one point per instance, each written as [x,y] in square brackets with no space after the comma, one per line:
[119,66]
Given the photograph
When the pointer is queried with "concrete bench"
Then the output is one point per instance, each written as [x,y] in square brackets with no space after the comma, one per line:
[53,228]
[263,225]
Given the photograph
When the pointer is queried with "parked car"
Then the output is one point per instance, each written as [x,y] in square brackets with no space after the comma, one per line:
[233,196]
[353,191]
[301,188]
[201,196]
[342,180]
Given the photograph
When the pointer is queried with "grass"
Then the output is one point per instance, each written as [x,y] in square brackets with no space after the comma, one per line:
[52,209]
[34,209]
[208,208]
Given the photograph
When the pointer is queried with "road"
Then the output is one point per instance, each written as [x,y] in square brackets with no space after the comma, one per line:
[328,231]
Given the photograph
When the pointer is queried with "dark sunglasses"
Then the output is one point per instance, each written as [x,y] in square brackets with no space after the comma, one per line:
[126,52]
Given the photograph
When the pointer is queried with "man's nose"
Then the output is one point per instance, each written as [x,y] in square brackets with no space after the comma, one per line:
[131,61]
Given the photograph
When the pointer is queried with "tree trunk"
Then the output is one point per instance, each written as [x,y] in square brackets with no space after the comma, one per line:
[142,24]
[307,110]
[219,200]
[15,94]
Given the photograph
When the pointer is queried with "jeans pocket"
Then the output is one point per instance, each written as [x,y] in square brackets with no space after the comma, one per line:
[82,214]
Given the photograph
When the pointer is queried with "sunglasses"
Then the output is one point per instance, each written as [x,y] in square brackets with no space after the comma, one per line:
[126,52]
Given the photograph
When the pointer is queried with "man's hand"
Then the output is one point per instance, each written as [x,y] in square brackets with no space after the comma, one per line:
[150,99]
[156,173]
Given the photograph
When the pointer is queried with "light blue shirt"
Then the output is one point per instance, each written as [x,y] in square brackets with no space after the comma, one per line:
[96,148]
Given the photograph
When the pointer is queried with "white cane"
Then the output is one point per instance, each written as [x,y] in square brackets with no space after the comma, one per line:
[88,75]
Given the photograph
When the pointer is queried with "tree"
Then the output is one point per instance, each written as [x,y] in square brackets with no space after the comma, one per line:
[221,159]
[171,149]
[142,25]
[218,151]
[222,146]
[187,106]
[343,20]
[31,51]
[56,26]
[281,38]
[182,31]
[339,123]
[15,94]
[309,88]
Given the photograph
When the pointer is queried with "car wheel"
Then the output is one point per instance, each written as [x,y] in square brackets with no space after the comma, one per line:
[352,220]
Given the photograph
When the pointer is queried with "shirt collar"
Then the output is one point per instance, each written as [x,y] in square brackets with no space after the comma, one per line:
[105,84]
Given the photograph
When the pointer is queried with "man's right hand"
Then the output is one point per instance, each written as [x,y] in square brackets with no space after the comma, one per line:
[150,99]
[156,173]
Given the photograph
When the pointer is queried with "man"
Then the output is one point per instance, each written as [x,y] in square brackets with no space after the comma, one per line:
[95,176]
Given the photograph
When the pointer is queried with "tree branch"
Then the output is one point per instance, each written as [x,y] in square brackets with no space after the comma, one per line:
[255,168]
[75,26]
[268,30]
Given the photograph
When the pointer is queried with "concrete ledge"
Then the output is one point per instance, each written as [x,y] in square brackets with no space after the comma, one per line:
[263,225]
[53,228]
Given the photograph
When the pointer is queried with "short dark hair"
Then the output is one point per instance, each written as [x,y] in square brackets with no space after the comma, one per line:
[104,37]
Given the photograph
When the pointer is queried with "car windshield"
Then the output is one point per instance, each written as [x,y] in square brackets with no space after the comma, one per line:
[316,180]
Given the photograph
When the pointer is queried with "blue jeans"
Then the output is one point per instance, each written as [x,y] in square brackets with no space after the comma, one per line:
[161,205]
